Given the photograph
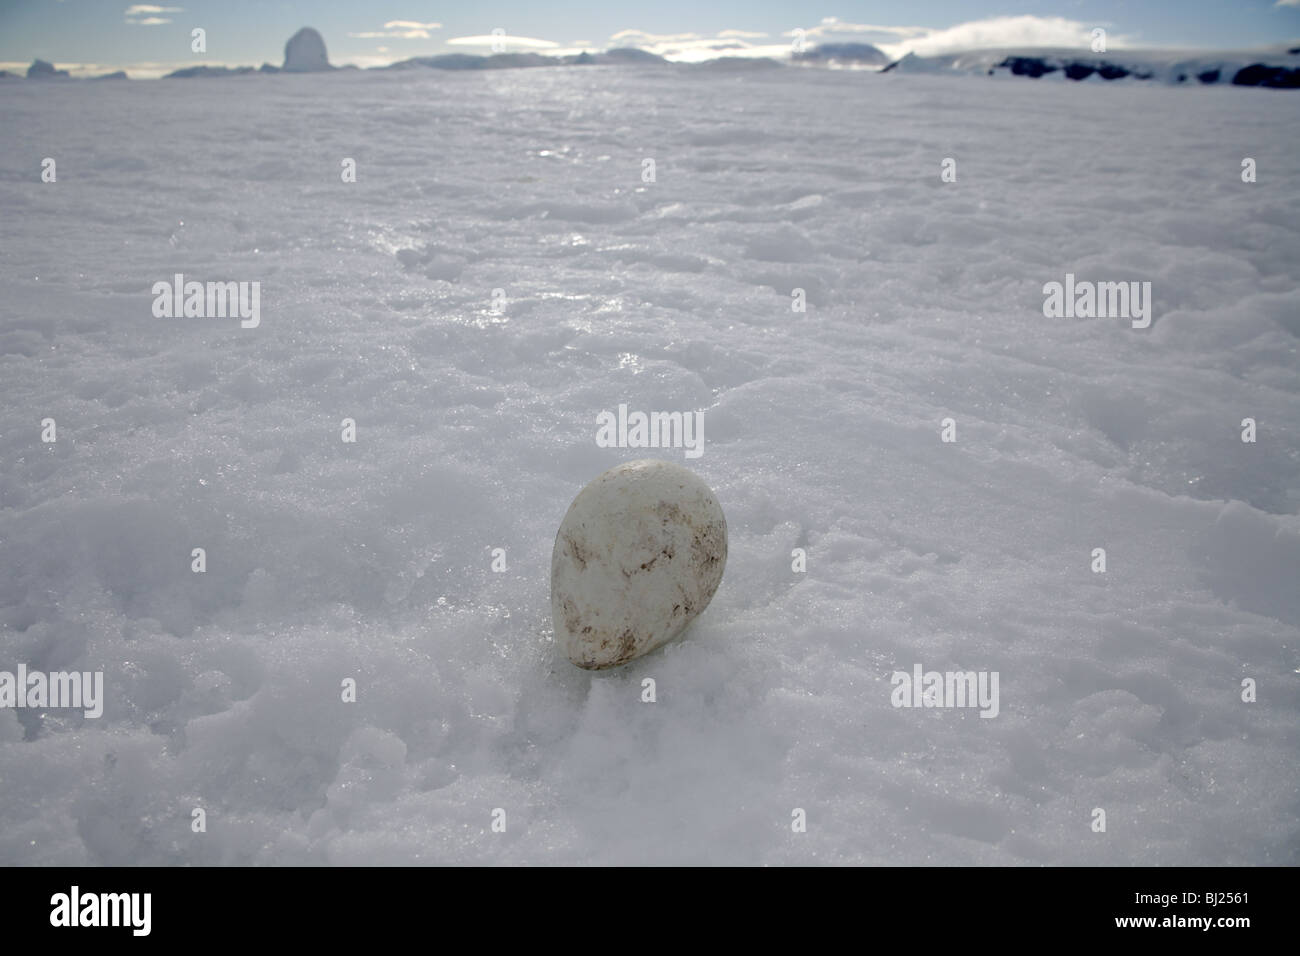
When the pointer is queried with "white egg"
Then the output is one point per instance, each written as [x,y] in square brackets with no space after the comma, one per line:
[638,556]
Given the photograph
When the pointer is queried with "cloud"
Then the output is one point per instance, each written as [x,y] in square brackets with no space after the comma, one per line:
[400,30]
[895,41]
[527,43]
[1287,3]
[1001,32]
[692,47]
[832,25]
[1026,30]
[640,37]
[992,33]
[142,14]
[370,60]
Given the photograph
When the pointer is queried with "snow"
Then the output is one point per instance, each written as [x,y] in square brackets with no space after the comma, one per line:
[476,427]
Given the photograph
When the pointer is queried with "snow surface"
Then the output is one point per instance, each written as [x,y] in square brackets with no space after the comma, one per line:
[372,560]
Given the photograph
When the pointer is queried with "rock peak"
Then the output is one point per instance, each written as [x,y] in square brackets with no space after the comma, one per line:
[40,69]
[305,52]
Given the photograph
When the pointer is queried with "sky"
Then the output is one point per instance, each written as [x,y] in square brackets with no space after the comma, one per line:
[89,36]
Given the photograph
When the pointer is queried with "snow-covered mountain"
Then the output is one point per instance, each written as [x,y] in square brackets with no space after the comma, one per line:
[1278,68]
[841,54]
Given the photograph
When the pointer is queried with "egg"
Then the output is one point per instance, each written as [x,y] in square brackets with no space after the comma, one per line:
[638,556]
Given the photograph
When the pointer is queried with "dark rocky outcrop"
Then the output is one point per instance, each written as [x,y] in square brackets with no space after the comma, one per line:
[1035,66]
[1028,66]
[1109,71]
[1260,74]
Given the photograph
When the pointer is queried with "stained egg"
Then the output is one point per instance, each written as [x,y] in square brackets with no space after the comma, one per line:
[638,556]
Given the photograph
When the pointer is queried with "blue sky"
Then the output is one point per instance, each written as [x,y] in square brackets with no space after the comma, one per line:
[145,39]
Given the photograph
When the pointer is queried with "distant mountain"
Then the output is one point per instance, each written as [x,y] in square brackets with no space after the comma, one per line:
[40,70]
[626,54]
[514,61]
[1274,68]
[841,54]
[203,72]
[473,61]
[735,64]
[1243,68]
